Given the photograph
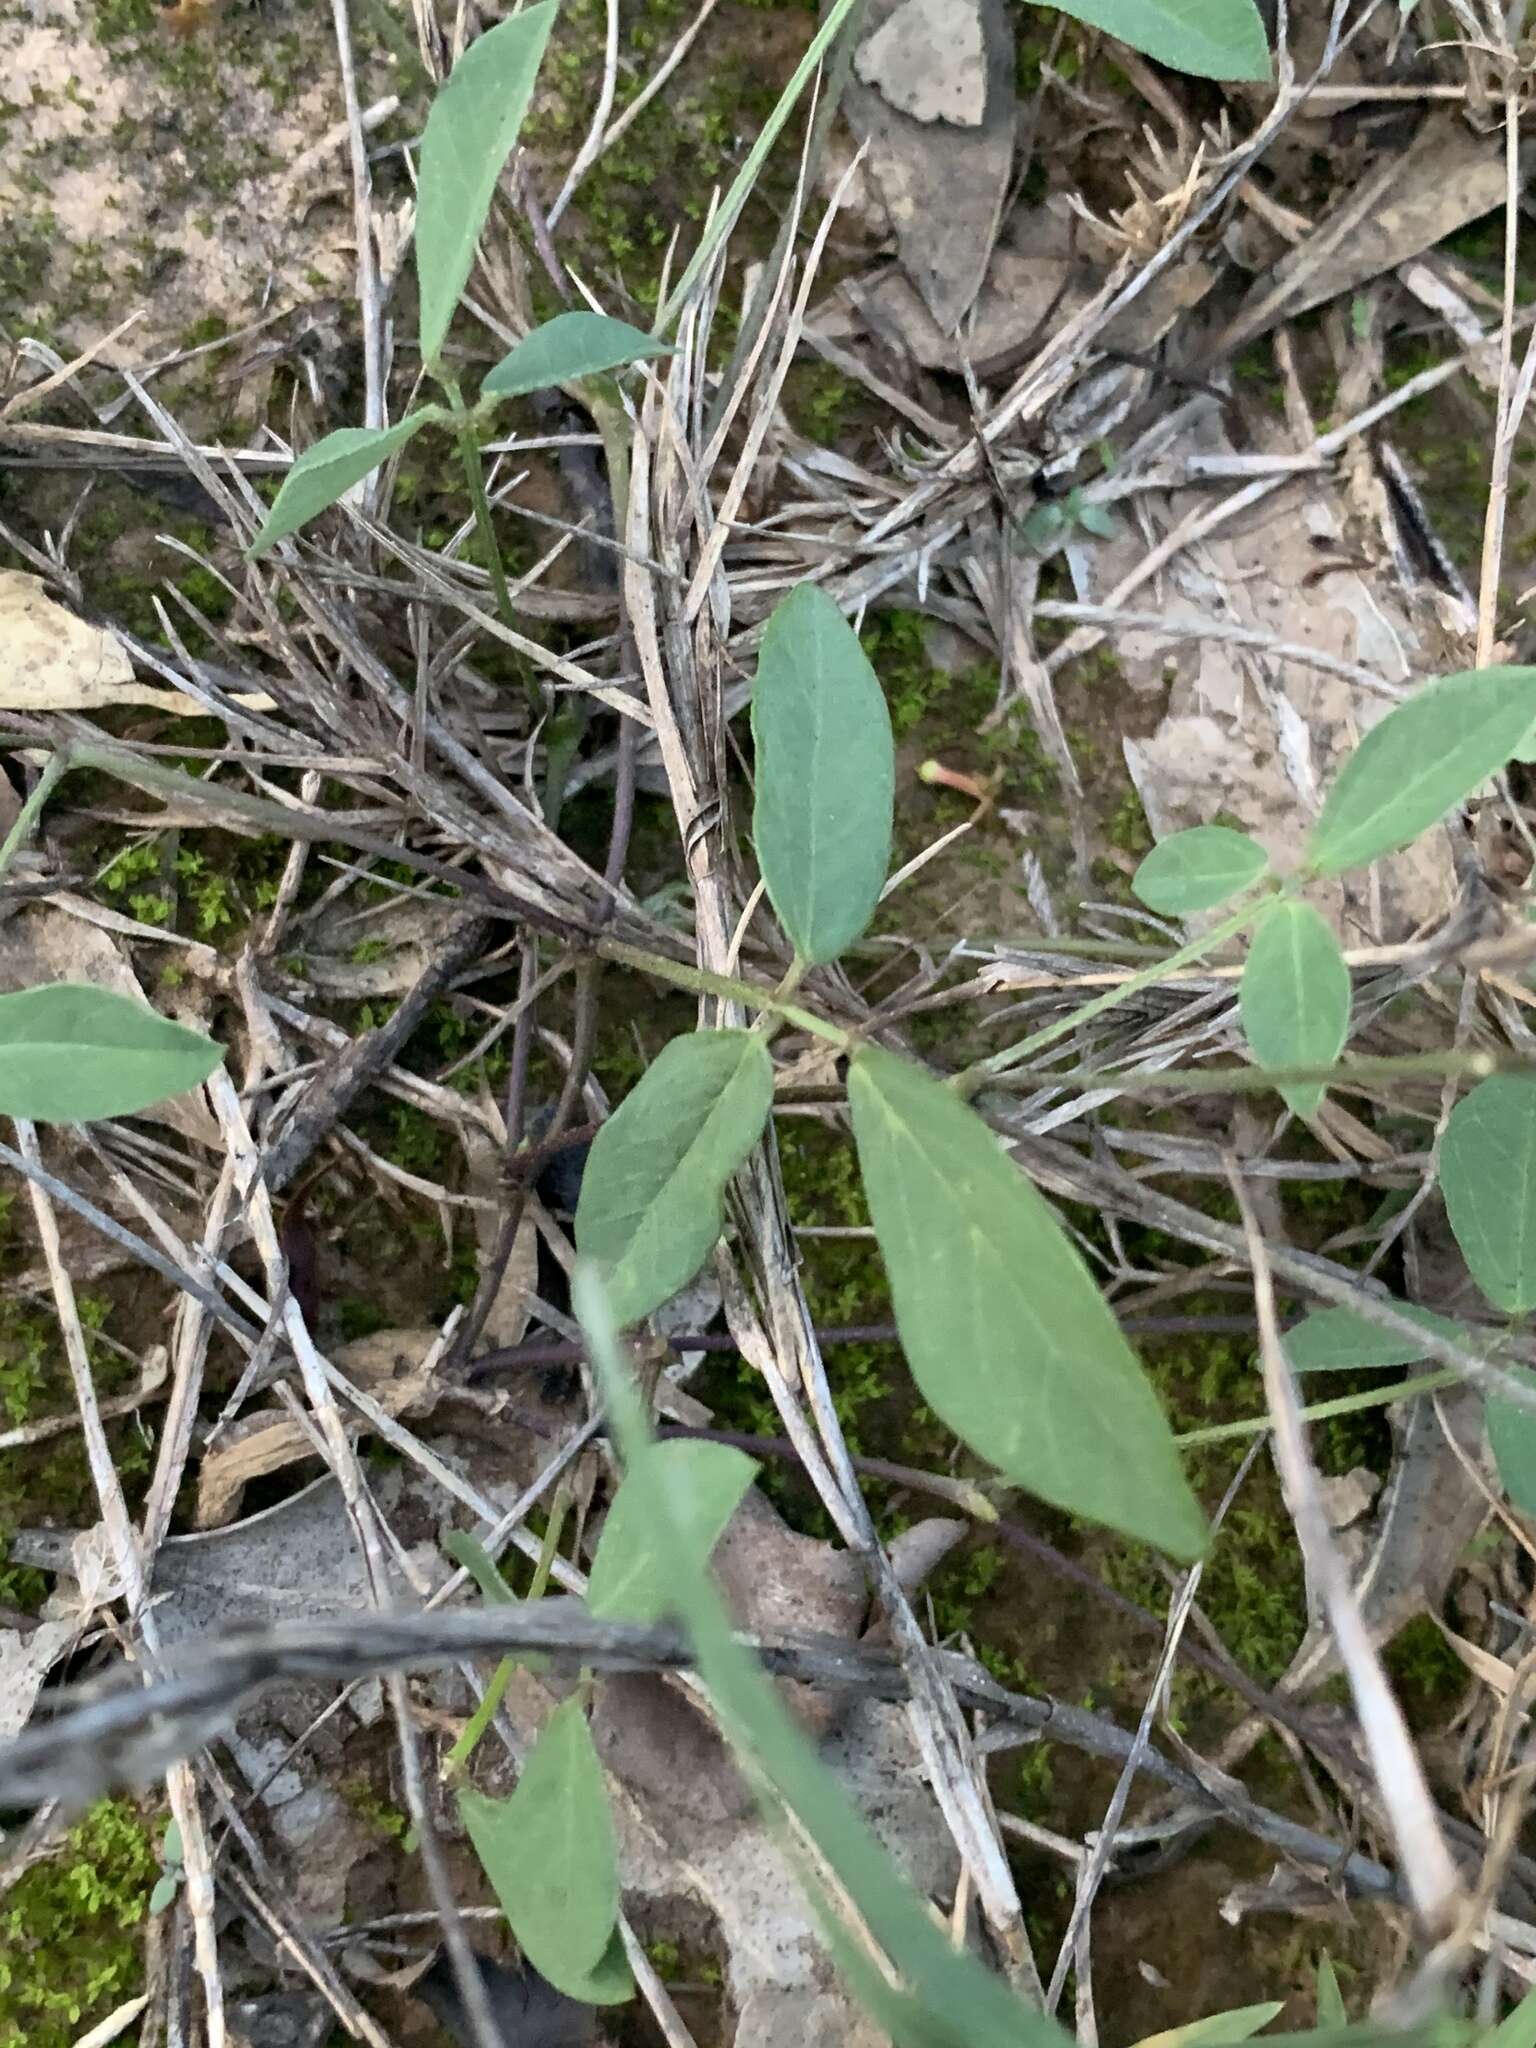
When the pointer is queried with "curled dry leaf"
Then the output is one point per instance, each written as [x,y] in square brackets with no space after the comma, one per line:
[943,184]
[25,1661]
[389,1365]
[52,661]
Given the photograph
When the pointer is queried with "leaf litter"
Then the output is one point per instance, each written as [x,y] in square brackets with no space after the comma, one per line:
[1243,518]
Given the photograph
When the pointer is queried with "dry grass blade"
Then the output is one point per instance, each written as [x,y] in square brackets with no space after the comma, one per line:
[1438,1896]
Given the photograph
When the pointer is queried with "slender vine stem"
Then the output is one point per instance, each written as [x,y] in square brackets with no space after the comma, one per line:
[55,766]
[972,1077]
[700,981]
[467,439]
[461,1752]
[1321,1411]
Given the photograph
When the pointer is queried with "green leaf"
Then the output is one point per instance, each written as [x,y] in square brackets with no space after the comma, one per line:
[1294,999]
[471,1555]
[1423,758]
[549,1850]
[1488,1179]
[632,1576]
[569,346]
[654,1187]
[826,775]
[1197,869]
[327,471]
[1338,1340]
[1512,1439]
[166,1887]
[1238,2025]
[954,2002]
[1518,2029]
[470,133]
[170,1847]
[72,1053]
[1330,1999]
[608,1982]
[1008,1337]
[1209,38]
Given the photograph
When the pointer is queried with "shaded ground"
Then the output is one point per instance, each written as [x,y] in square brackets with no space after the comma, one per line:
[203,181]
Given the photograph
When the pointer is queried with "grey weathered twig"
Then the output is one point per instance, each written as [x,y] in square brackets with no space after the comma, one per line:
[119,1733]
[332,1091]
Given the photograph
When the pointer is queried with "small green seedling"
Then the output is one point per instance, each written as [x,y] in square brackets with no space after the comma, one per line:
[172,1875]
[471,131]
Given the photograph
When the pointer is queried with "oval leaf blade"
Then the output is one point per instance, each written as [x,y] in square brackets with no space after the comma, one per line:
[1295,996]
[1488,1179]
[1512,1439]
[1419,761]
[1197,869]
[1008,1338]
[826,775]
[549,1851]
[327,471]
[652,1194]
[634,1576]
[571,345]
[1337,1340]
[1209,38]
[469,135]
[73,1053]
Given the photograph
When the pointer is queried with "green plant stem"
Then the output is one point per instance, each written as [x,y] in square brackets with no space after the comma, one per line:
[773,1021]
[1321,1411]
[54,767]
[1475,1066]
[972,1077]
[458,1757]
[467,439]
[746,177]
[700,981]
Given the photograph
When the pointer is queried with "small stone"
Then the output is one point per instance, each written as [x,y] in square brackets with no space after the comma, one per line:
[927,60]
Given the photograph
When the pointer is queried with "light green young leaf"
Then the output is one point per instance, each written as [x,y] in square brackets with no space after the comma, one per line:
[1208,38]
[1337,1340]
[549,1850]
[1488,1179]
[1330,1999]
[632,1574]
[1238,2025]
[654,1186]
[1294,998]
[170,1846]
[1197,869]
[167,1885]
[326,472]
[1424,757]
[470,133]
[954,2002]
[826,775]
[1008,1337]
[569,346]
[72,1053]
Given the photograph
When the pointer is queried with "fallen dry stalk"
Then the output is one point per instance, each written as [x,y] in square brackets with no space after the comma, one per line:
[1431,1875]
[120,1734]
